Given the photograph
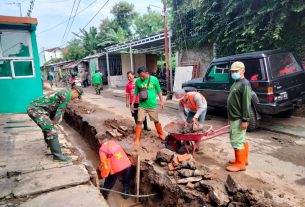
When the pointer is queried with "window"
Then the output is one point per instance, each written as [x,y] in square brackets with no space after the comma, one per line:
[14,44]
[5,69]
[254,70]
[23,68]
[222,68]
[283,64]
[218,73]
[115,65]
[15,55]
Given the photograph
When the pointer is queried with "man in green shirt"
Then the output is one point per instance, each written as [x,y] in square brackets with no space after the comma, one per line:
[239,103]
[97,82]
[149,105]
[47,112]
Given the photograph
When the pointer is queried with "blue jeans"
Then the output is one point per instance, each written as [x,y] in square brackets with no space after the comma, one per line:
[201,117]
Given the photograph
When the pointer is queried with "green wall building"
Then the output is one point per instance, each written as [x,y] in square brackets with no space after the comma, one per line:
[20,78]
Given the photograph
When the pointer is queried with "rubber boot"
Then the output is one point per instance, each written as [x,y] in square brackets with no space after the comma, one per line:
[56,151]
[160,131]
[138,134]
[146,128]
[246,147]
[239,164]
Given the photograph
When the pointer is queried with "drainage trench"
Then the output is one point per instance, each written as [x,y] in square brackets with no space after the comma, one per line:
[154,177]
[91,157]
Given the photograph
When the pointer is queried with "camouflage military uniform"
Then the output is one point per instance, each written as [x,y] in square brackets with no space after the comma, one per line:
[47,111]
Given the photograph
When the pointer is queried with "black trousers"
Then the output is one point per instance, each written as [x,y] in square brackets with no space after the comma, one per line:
[85,83]
[110,180]
[135,115]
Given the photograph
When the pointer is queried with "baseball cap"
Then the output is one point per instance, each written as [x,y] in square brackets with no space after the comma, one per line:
[237,65]
[179,94]
[79,91]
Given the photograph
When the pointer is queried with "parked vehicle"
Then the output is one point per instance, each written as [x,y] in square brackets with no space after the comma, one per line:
[277,79]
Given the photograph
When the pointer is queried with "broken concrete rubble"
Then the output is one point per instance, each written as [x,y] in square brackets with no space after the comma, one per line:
[165,155]
[189,180]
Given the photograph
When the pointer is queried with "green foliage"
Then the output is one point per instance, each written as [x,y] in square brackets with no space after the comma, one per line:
[123,16]
[75,50]
[149,23]
[90,39]
[239,26]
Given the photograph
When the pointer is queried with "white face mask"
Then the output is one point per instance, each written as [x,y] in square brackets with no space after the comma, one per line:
[235,76]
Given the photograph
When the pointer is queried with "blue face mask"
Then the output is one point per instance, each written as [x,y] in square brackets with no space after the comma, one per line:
[235,76]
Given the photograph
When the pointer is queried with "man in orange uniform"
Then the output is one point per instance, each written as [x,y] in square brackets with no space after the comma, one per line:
[114,162]
[195,104]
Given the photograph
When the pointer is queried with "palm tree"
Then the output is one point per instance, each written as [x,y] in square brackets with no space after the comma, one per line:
[89,39]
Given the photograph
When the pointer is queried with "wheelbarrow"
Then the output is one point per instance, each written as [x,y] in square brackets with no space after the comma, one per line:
[175,138]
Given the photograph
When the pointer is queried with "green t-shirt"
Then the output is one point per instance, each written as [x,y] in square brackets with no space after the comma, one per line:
[153,90]
[97,78]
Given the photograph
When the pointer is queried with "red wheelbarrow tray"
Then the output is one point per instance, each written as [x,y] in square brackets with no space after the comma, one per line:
[174,129]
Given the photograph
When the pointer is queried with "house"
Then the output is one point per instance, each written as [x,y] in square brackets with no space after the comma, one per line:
[20,77]
[49,54]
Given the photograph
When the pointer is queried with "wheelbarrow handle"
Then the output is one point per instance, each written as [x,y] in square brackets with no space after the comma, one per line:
[217,130]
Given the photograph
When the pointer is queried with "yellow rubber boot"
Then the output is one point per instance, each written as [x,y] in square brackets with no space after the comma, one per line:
[239,165]
[138,135]
[160,131]
[246,147]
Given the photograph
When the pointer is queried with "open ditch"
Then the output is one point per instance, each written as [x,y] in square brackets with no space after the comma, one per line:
[207,190]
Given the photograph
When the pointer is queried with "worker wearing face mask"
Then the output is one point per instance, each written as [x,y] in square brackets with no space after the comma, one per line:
[239,103]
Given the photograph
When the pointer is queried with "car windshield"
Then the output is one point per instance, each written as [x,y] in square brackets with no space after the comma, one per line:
[283,64]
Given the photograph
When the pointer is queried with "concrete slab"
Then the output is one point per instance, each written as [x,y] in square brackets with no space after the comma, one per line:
[46,180]
[6,187]
[78,196]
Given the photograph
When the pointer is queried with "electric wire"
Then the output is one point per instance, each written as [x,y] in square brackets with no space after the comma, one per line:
[88,22]
[63,37]
[96,14]
[57,25]
[74,17]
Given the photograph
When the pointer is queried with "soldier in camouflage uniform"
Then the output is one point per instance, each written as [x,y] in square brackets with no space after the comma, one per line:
[47,112]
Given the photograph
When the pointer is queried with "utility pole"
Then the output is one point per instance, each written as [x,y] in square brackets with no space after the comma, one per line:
[168,89]
[19,5]
[31,8]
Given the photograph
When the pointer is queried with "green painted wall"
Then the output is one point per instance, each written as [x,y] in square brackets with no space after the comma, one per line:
[16,94]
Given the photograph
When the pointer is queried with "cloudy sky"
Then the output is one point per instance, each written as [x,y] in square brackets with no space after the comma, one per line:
[51,13]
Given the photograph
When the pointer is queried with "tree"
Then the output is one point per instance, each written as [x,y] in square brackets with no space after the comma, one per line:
[149,23]
[124,15]
[239,25]
[75,50]
[90,39]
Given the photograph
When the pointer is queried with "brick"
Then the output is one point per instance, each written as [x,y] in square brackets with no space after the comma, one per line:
[214,177]
[170,167]
[184,157]
[111,133]
[175,161]
[124,128]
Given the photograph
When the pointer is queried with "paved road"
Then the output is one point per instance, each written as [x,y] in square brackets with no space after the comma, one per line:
[275,158]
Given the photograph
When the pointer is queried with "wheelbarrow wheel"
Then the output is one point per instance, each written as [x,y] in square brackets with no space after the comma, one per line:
[172,144]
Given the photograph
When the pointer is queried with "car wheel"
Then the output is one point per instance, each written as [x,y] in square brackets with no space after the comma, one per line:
[286,114]
[253,122]
[172,144]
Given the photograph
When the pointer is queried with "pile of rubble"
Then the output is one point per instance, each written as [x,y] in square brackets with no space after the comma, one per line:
[191,175]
